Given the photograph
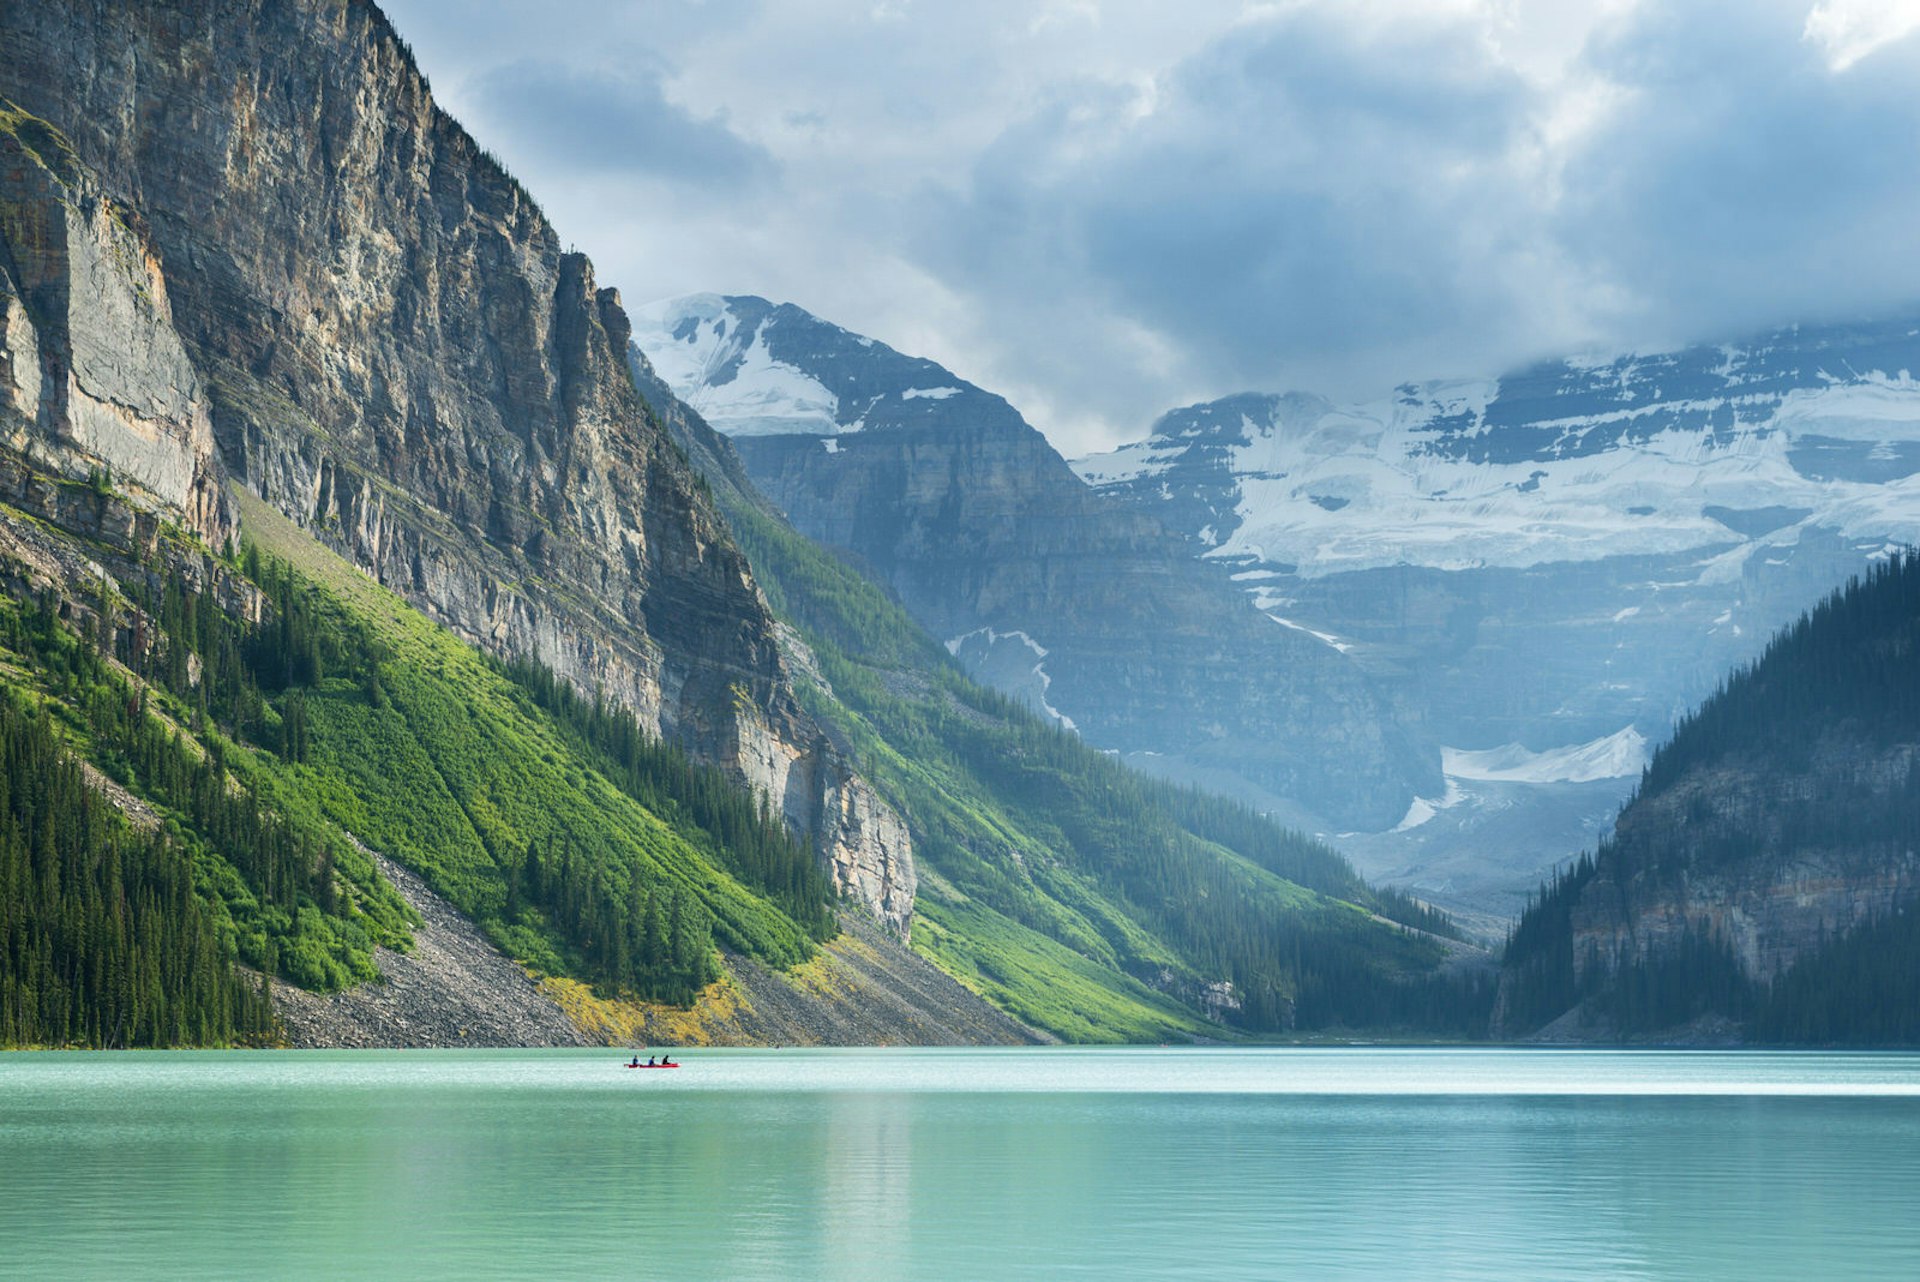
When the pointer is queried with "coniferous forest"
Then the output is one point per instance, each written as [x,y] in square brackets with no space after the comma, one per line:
[1811,751]
[104,940]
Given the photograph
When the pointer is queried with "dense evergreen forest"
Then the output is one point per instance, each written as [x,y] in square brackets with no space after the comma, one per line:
[104,940]
[1811,728]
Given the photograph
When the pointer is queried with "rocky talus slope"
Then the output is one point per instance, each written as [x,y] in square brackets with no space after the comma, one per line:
[453,989]
[248,242]
[864,989]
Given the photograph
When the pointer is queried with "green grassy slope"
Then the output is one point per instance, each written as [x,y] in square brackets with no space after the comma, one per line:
[268,752]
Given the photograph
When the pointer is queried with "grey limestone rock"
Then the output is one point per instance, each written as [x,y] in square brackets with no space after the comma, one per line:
[385,339]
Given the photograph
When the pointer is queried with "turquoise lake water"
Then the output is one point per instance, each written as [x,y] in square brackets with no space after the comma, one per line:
[961,1165]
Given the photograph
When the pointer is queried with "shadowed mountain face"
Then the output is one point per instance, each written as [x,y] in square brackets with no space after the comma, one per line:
[1548,562]
[1088,609]
[253,229]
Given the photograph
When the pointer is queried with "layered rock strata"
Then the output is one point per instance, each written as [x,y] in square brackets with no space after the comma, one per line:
[254,229]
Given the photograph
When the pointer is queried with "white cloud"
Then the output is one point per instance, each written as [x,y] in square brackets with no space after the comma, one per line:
[1849,30]
[1103,210]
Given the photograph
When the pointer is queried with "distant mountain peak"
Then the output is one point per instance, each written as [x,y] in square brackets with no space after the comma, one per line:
[1567,460]
[751,367]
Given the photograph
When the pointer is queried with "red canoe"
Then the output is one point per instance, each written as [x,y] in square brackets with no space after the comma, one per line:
[649,1066]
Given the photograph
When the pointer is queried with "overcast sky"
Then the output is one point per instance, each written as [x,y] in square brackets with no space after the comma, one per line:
[1102,210]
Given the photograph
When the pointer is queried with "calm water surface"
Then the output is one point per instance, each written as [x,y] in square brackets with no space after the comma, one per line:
[962,1165]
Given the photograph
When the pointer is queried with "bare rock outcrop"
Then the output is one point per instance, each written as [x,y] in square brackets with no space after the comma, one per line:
[1784,898]
[93,376]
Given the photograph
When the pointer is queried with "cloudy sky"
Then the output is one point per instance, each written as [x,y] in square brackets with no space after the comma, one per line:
[1102,210]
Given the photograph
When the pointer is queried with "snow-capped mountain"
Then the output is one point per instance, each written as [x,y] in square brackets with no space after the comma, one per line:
[751,368]
[1085,607]
[1565,462]
[1548,567]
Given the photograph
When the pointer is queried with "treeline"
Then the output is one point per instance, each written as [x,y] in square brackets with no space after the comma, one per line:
[1861,988]
[1849,660]
[740,831]
[103,938]
[656,941]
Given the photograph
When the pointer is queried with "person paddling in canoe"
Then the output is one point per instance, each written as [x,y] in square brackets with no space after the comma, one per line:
[635,1063]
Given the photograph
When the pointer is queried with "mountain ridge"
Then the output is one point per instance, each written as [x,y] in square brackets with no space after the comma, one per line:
[1575,552]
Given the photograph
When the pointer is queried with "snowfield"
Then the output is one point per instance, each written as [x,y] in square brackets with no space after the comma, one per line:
[1323,489]
[696,347]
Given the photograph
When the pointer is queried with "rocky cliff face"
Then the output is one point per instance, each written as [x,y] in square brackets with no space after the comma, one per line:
[1784,898]
[93,378]
[256,230]
[1089,611]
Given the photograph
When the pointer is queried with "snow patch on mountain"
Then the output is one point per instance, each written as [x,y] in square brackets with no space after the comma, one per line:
[1006,667]
[1328,638]
[1422,809]
[1618,755]
[1605,467]
[722,368]
[1622,754]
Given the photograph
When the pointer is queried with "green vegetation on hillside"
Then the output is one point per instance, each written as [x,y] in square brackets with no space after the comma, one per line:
[269,750]
[1082,897]
[433,754]
[290,895]
[103,940]
[728,823]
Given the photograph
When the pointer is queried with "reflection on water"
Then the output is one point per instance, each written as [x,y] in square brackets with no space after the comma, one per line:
[953,1165]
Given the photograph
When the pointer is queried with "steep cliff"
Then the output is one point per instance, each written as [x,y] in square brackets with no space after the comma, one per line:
[388,342]
[1085,608]
[93,378]
[1781,823]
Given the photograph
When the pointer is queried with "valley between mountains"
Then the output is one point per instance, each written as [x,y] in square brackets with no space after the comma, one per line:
[404,643]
